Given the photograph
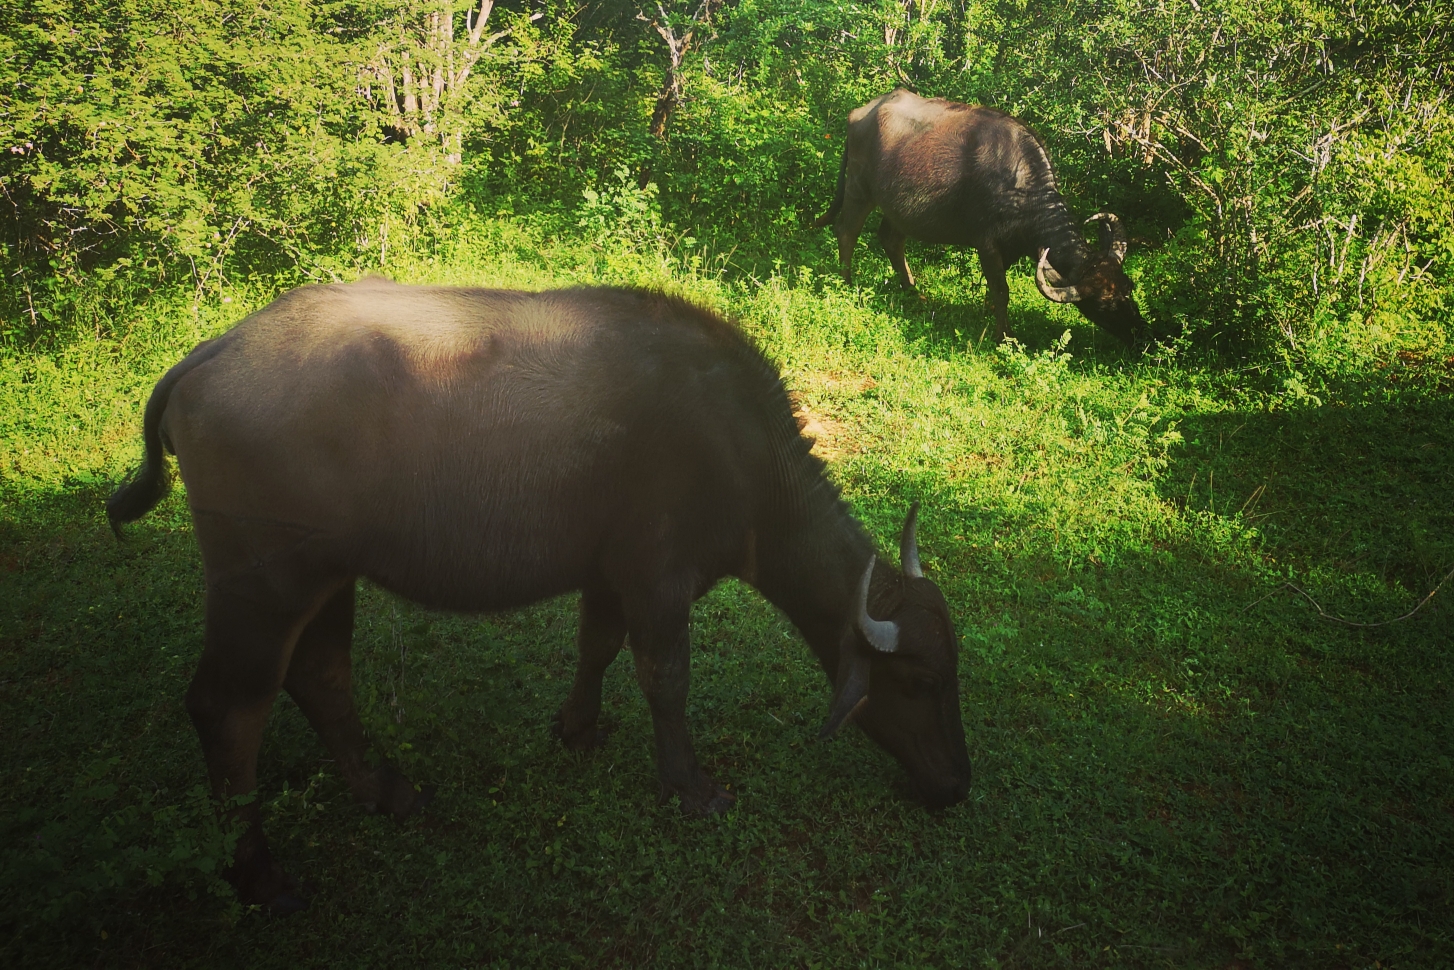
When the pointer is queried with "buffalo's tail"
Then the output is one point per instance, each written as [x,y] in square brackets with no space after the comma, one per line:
[149,483]
[832,212]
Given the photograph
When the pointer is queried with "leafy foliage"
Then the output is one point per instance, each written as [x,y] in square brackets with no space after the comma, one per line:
[198,142]
[62,857]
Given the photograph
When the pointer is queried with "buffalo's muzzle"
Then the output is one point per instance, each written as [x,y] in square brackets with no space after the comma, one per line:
[939,794]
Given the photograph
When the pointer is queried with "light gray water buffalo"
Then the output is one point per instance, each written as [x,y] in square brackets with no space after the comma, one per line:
[483,449]
[946,172]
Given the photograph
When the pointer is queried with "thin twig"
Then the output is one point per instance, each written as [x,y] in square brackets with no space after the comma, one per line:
[1338,619]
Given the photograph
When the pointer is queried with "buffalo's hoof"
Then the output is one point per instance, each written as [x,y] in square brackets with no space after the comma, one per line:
[586,739]
[422,800]
[715,801]
[269,888]
[294,898]
[397,795]
[285,904]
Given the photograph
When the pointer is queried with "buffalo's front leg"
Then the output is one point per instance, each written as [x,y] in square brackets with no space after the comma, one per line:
[661,648]
[997,295]
[320,680]
[599,639]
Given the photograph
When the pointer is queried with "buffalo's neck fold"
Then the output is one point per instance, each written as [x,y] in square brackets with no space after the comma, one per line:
[809,566]
[810,552]
[1056,231]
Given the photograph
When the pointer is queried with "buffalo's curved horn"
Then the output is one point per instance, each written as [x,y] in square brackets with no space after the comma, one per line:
[882,635]
[1113,234]
[909,545]
[1055,294]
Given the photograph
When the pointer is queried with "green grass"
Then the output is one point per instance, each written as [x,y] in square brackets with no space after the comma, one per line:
[1170,769]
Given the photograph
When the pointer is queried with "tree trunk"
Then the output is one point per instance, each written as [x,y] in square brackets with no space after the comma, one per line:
[432,67]
[677,50]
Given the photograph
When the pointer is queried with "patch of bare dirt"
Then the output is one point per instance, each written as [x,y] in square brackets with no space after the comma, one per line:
[831,438]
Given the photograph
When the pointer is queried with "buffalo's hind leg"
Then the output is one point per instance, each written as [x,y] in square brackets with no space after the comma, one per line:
[251,630]
[661,647]
[320,680]
[894,241]
[847,227]
[599,639]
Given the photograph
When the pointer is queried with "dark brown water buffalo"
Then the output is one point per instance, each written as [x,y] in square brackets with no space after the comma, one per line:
[483,449]
[954,173]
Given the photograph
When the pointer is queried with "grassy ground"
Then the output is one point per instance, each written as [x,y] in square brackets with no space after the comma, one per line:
[1172,767]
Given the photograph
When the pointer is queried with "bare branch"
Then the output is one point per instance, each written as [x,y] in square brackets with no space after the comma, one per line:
[477,29]
[677,50]
[1353,623]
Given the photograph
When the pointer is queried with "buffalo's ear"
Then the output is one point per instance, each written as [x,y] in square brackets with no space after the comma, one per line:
[850,693]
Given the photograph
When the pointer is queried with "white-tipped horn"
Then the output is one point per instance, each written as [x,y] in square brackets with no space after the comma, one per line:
[1113,234]
[1056,294]
[909,545]
[882,635]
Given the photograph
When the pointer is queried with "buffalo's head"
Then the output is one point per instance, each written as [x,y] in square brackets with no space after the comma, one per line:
[1101,290]
[898,680]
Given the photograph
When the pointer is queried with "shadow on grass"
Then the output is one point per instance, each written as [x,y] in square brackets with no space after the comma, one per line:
[1254,760]
[947,313]
[1361,489]
[1156,772]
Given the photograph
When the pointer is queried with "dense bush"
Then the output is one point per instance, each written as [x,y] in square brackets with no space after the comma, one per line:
[185,143]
